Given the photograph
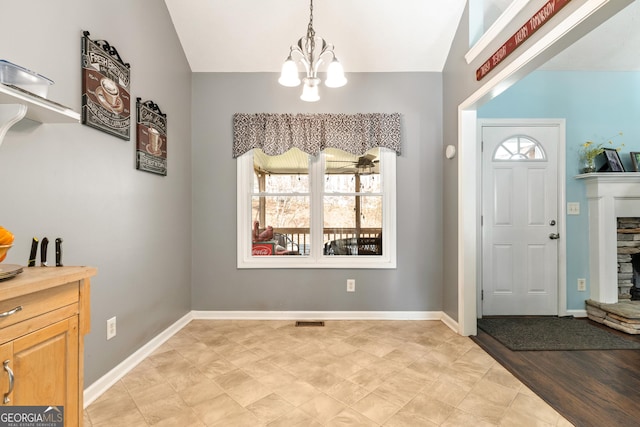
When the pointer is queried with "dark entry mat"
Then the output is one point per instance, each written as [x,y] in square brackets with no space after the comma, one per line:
[553,333]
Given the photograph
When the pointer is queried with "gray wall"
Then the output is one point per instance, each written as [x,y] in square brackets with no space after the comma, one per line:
[415,285]
[74,182]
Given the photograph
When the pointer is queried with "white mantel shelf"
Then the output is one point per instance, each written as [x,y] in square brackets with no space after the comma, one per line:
[610,195]
[611,176]
[16,105]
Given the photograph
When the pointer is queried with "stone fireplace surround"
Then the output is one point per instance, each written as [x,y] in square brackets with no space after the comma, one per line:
[610,196]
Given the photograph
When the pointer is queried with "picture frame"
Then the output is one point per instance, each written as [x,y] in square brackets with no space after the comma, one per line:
[151,138]
[106,82]
[635,160]
[612,162]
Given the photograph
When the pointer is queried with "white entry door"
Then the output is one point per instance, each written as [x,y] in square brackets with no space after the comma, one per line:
[520,220]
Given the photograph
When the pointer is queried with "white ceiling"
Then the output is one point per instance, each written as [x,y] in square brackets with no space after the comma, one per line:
[613,46]
[369,35]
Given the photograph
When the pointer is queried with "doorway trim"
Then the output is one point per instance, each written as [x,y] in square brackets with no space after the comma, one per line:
[561,199]
[591,13]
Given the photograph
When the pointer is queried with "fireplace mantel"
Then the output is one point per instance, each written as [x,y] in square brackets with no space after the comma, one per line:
[610,195]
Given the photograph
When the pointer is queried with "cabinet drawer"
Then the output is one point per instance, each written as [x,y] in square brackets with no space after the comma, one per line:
[37,303]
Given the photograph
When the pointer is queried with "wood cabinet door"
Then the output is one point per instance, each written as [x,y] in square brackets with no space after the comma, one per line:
[45,366]
[6,361]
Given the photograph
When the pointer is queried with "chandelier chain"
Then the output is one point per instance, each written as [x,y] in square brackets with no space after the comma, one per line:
[311,33]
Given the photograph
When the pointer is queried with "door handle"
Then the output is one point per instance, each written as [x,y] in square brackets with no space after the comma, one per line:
[554,236]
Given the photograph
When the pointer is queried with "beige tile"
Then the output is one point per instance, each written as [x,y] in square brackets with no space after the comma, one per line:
[124,419]
[534,406]
[297,392]
[429,409]
[376,407]
[232,379]
[121,405]
[343,368]
[259,373]
[245,419]
[322,407]
[446,392]
[142,379]
[249,392]
[159,406]
[189,377]
[216,367]
[270,408]
[399,388]
[174,368]
[200,392]
[219,408]
[295,418]
[499,375]
[350,418]
[347,392]
[259,368]
[460,418]
[323,380]
[118,390]
[367,378]
[184,419]
[276,378]
[409,419]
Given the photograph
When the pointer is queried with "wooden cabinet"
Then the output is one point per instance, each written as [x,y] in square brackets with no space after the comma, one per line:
[44,315]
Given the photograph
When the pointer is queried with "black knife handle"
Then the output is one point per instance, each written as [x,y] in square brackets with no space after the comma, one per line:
[32,254]
[58,252]
[43,251]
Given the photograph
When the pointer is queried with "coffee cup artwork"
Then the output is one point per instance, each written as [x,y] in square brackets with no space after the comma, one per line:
[108,94]
[155,141]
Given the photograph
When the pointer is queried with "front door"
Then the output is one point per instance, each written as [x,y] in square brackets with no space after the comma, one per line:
[520,220]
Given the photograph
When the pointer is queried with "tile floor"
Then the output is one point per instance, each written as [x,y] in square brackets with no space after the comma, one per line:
[347,373]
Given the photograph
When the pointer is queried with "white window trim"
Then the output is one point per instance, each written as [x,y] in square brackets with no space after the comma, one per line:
[317,260]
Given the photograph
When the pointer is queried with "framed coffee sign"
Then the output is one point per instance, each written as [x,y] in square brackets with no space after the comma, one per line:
[106,100]
[151,137]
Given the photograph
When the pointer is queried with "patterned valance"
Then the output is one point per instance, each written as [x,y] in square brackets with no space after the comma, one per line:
[276,134]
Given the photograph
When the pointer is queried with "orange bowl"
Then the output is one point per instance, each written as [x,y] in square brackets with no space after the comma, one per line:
[3,251]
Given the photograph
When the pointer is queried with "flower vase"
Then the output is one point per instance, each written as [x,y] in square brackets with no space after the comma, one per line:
[589,166]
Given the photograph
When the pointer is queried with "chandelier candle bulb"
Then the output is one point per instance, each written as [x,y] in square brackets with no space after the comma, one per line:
[311,51]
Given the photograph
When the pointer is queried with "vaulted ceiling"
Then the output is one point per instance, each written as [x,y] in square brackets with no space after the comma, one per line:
[369,35]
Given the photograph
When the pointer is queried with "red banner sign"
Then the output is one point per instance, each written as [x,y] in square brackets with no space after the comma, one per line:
[534,23]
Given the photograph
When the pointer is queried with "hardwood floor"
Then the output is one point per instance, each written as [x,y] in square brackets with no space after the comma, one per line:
[589,388]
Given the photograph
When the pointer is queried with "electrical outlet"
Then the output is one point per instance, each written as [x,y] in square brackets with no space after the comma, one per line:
[351,285]
[582,285]
[111,328]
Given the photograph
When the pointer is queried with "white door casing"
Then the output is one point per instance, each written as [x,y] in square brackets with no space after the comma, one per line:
[520,219]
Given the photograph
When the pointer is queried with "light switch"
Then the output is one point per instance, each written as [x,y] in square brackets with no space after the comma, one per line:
[573,208]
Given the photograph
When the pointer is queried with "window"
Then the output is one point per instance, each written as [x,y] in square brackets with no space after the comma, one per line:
[334,210]
[519,148]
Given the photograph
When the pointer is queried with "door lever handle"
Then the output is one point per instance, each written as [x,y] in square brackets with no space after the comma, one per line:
[554,236]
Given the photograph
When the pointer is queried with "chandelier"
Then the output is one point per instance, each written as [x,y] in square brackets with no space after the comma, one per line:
[311,51]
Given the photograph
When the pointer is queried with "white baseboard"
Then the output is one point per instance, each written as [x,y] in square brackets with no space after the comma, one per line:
[96,389]
[452,324]
[318,315]
[577,313]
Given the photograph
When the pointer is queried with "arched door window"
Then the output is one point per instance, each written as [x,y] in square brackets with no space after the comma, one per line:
[519,148]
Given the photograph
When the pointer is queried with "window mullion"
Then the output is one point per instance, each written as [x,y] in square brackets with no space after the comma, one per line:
[317,192]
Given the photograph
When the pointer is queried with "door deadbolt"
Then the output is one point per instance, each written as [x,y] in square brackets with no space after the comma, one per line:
[552,222]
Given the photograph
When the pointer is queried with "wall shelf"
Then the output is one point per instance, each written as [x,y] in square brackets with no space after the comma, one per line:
[16,104]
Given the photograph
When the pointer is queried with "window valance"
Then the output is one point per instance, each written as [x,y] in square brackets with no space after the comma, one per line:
[276,134]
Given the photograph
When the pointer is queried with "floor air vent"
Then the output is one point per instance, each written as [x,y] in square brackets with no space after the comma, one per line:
[309,323]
